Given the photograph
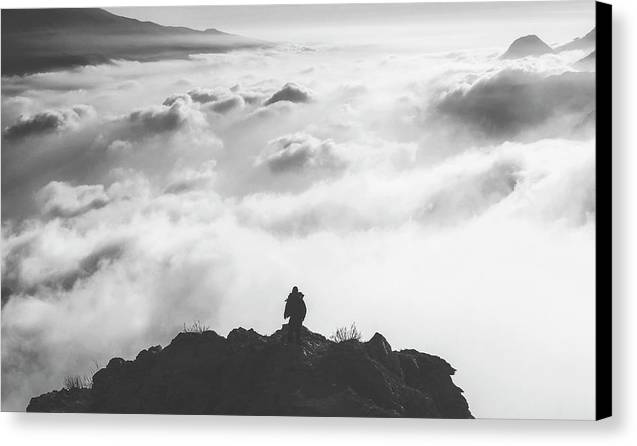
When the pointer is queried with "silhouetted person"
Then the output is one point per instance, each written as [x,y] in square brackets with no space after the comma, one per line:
[295,309]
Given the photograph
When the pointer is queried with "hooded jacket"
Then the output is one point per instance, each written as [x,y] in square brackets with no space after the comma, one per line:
[295,307]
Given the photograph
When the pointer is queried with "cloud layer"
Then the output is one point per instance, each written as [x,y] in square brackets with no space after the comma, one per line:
[298,152]
[47,122]
[514,102]
[445,200]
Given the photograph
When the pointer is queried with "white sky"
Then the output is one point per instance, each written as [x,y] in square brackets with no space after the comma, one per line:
[440,26]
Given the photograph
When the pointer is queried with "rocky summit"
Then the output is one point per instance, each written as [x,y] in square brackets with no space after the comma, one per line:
[251,374]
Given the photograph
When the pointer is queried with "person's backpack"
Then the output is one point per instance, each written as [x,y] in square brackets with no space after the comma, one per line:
[302,309]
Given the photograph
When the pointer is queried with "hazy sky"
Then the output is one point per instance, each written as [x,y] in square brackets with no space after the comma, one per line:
[463,25]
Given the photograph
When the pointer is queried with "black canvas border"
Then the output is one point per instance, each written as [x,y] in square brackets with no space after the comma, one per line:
[603,235]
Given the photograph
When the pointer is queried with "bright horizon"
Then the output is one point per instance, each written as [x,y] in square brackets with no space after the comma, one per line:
[462,25]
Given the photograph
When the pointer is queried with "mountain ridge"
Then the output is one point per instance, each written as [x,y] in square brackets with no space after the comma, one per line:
[47,19]
[532,45]
[586,42]
[36,40]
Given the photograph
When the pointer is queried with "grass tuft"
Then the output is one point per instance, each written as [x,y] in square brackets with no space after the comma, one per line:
[72,382]
[345,334]
[195,327]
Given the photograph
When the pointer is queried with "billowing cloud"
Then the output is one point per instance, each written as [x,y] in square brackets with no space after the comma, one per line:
[274,111]
[191,179]
[47,122]
[506,181]
[290,92]
[119,146]
[59,199]
[227,104]
[198,95]
[161,119]
[60,275]
[513,101]
[294,153]
[203,95]
[220,100]
[172,99]
[251,97]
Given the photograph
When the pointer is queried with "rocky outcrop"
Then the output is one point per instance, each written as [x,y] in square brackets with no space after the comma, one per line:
[250,374]
[530,45]
[65,400]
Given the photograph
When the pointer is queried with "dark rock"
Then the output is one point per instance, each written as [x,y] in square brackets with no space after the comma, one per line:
[115,363]
[432,375]
[244,338]
[65,400]
[251,374]
[380,350]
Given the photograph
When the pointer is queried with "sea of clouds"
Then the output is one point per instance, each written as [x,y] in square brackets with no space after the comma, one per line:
[445,200]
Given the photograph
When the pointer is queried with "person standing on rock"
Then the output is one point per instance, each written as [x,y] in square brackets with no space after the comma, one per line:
[295,309]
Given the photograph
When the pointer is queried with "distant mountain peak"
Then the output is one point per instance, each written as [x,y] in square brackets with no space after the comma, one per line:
[530,45]
[580,43]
